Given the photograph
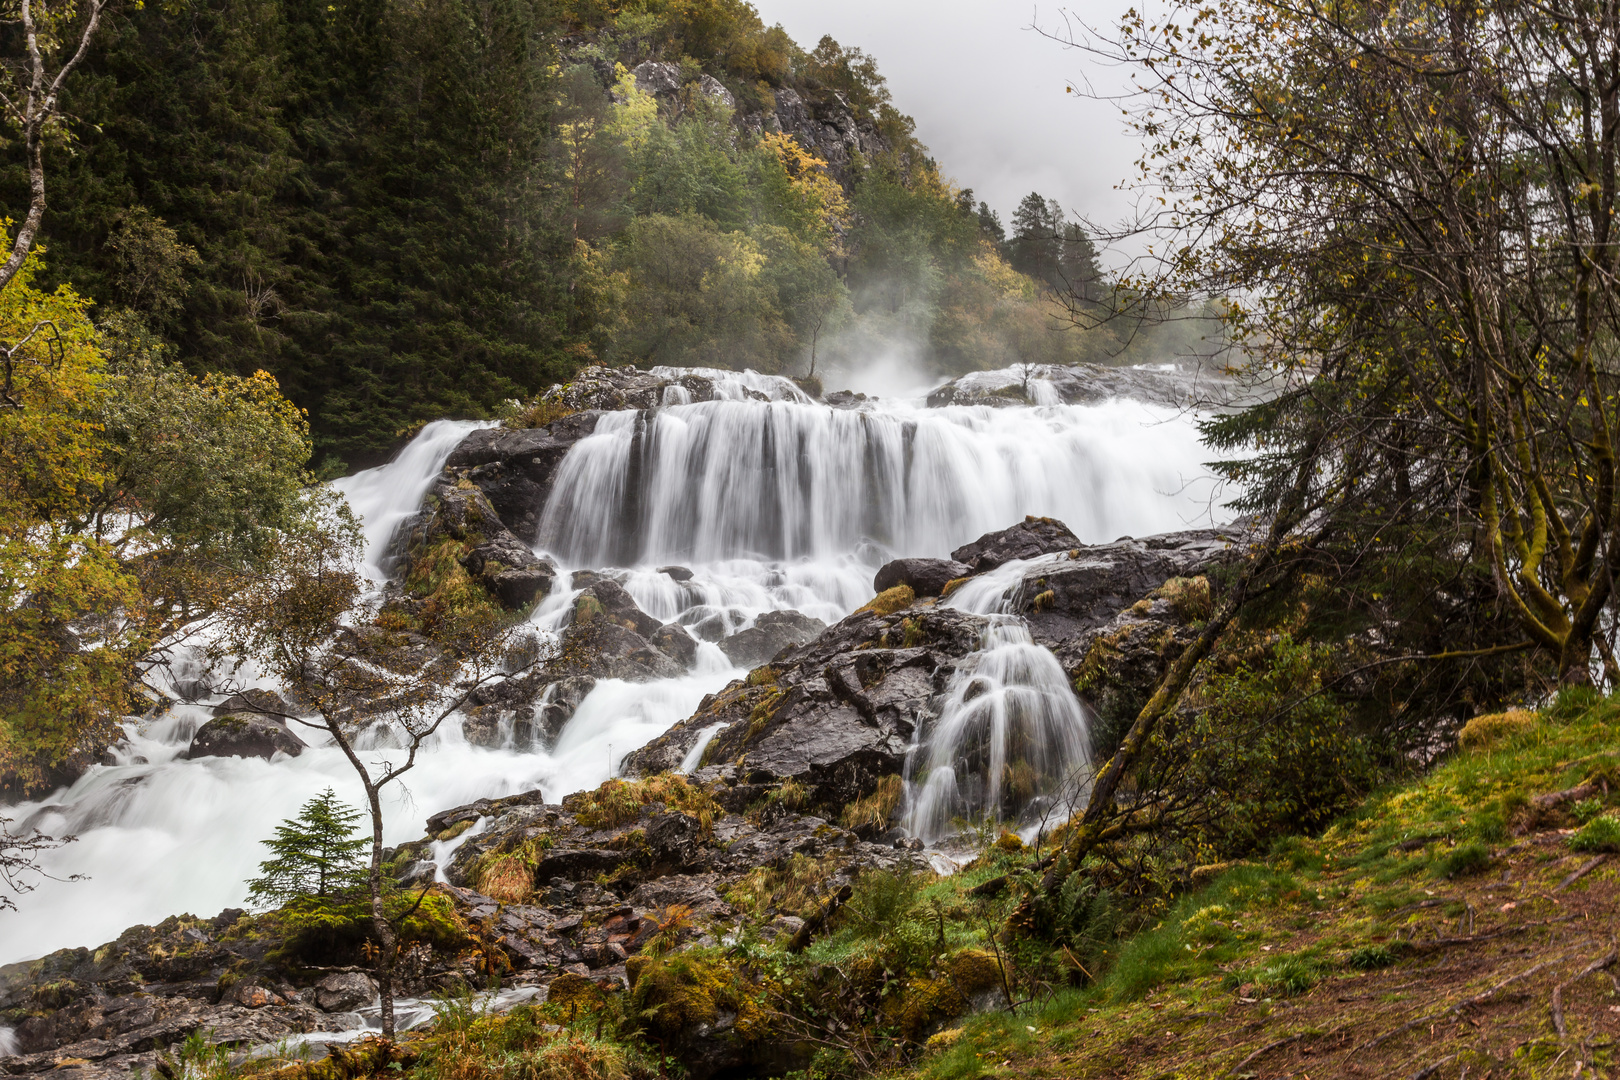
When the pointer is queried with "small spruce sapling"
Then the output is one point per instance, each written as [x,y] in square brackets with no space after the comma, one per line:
[317,853]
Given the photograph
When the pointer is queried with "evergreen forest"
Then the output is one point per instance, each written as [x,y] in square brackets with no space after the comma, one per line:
[409,211]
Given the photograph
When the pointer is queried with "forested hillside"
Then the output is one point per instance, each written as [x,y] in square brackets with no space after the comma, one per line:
[406,211]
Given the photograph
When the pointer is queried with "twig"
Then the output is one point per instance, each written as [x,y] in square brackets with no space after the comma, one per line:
[1430,1070]
[1477,999]
[1268,1048]
[1446,943]
[1585,868]
[1001,966]
[1558,991]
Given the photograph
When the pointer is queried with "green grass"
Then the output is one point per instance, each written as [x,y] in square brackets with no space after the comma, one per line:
[1598,835]
[1382,865]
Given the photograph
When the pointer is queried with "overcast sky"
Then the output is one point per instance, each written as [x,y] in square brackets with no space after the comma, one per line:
[987,93]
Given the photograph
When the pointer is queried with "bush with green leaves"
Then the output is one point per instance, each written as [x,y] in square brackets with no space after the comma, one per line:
[316,854]
[1273,749]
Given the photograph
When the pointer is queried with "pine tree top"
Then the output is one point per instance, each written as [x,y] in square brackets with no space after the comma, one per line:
[314,854]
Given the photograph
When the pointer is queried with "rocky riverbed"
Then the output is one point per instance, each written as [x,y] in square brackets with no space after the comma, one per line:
[743,821]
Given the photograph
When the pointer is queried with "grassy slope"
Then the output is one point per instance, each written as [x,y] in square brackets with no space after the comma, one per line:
[1425,935]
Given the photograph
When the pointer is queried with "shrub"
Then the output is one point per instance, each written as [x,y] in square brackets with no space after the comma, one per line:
[1598,835]
[1464,859]
[619,802]
[467,1044]
[533,414]
[1190,598]
[1483,732]
[1273,749]
[1287,976]
[1372,957]
[875,810]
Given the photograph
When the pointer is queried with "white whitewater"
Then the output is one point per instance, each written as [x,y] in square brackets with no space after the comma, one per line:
[773,504]
[786,480]
[1011,740]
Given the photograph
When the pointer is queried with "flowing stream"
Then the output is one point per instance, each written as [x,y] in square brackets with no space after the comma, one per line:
[772,504]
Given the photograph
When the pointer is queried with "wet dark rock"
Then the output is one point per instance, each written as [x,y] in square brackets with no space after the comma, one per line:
[192,690]
[515,469]
[836,714]
[472,811]
[244,735]
[771,633]
[513,573]
[500,561]
[604,649]
[266,703]
[1030,538]
[678,573]
[674,841]
[345,991]
[695,891]
[927,577]
[673,641]
[716,625]
[565,697]
[611,601]
[1069,596]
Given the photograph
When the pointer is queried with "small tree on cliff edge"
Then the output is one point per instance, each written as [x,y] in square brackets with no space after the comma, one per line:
[315,854]
[299,619]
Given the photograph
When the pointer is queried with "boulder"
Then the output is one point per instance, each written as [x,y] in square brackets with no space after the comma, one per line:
[927,577]
[656,78]
[1070,596]
[607,598]
[673,641]
[513,573]
[345,991]
[243,735]
[257,702]
[771,633]
[1030,538]
[515,469]
[559,704]
[835,714]
[505,565]
[678,573]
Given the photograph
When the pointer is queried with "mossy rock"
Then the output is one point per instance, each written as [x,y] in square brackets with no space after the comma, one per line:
[571,991]
[890,601]
[1486,731]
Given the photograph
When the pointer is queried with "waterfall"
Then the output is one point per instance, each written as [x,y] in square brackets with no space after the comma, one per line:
[787,480]
[772,504]
[384,498]
[1010,736]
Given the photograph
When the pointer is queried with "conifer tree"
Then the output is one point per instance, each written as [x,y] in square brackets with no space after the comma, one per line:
[316,854]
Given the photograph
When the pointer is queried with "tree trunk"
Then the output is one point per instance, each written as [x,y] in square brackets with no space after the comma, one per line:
[386,940]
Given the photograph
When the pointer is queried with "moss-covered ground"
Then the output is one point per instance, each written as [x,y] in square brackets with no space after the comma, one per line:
[1460,925]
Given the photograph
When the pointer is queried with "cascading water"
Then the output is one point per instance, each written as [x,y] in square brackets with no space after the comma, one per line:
[791,480]
[772,504]
[1010,735]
